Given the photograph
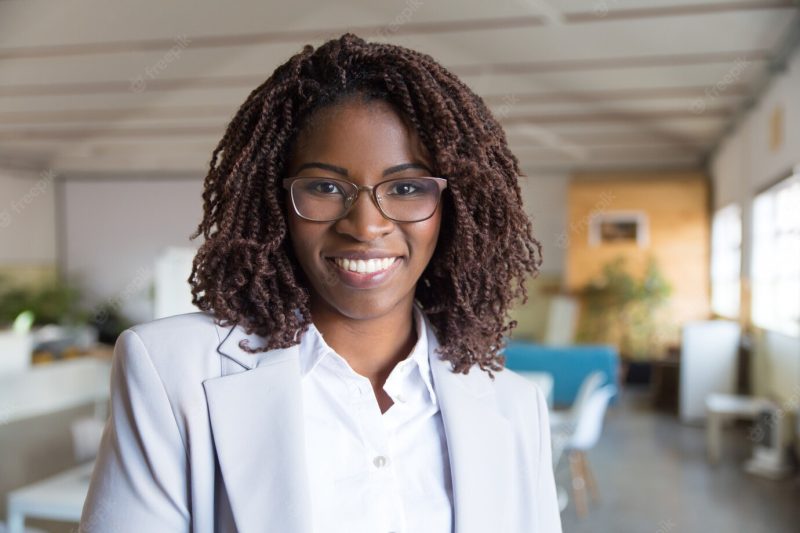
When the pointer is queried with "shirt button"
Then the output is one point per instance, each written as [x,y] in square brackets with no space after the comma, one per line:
[380,461]
[400,397]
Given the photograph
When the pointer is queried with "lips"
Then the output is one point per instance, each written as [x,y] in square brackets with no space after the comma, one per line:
[367,273]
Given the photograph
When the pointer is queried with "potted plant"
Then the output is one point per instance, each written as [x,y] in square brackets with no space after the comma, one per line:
[47,317]
[622,310]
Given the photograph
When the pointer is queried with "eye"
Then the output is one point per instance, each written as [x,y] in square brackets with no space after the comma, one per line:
[404,188]
[324,187]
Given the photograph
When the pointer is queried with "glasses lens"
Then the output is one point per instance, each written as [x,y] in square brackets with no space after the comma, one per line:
[321,198]
[409,199]
[402,199]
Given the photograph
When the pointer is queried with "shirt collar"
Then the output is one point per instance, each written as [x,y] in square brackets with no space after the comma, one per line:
[314,349]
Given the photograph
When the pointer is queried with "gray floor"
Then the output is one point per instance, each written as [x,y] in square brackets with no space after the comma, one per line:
[653,477]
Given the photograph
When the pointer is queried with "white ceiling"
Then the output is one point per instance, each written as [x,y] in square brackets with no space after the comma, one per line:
[594,84]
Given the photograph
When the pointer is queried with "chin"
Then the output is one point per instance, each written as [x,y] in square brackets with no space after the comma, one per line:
[362,307]
[362,304]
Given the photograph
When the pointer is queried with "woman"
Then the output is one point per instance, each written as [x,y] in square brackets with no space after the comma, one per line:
[364,239]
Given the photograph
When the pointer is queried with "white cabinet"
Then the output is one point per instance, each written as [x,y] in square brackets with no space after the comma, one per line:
[709,355]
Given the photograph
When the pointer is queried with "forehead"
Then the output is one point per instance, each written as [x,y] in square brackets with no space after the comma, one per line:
[360,136]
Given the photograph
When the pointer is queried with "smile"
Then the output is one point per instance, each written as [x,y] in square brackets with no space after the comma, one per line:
[368,266]
[365,273]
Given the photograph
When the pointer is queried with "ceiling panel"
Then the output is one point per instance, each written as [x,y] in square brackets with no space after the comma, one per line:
[636,83]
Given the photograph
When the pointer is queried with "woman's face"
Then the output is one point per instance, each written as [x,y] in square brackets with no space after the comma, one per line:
[363,143]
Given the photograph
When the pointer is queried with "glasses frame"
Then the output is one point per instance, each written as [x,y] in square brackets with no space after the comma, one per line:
[352,199]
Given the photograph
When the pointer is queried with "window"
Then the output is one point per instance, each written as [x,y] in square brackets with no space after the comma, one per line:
[726,254]
[776,257]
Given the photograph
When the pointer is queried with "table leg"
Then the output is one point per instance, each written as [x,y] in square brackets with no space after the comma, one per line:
[16,521]
[713,436]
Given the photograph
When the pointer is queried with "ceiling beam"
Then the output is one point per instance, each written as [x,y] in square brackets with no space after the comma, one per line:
[600,14]
[216,110]
[526,67]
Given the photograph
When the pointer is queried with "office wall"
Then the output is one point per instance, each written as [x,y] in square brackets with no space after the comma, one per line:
[114,228]
[27,217]
[545,198]
[27,226]
[762,149]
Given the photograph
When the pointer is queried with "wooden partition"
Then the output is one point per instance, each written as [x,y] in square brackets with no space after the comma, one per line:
[673,208]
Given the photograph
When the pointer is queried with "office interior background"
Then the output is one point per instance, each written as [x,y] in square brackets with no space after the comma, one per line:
[660,146]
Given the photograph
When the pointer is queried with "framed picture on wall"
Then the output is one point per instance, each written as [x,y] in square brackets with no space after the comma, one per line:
[616,227]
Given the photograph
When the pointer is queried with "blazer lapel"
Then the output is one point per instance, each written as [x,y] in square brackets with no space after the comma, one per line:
[256,419]
[480,446]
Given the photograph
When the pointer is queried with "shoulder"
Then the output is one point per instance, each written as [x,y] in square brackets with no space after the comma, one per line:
[199,325]
[519,398]
[511,386]
[180,345]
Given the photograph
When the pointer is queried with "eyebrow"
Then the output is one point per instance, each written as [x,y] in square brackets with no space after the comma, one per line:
[343,171]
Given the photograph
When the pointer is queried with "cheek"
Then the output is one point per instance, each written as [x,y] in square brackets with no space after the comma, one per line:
[427,235]
[303,236]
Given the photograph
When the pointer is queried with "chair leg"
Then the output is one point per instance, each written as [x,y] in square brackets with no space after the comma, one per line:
[578,484]
[590,480]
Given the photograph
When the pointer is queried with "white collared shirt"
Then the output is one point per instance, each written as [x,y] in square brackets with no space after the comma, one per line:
[371,472]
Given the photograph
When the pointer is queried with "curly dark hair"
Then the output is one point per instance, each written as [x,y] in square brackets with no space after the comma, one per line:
[246,272]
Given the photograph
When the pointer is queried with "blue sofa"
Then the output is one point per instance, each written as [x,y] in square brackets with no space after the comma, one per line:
[569,365]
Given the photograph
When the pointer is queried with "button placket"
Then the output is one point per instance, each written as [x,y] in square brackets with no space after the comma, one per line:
[355,390]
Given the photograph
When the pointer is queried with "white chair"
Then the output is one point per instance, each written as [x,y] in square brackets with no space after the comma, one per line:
[562,423]
[543,380]
[588,428]
[560,420]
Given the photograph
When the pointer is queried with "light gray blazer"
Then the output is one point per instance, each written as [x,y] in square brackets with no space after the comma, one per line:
[205,437]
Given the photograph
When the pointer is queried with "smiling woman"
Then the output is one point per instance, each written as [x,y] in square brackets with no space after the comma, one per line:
[364,240]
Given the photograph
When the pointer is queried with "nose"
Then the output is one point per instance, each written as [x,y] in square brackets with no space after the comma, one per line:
[364,222]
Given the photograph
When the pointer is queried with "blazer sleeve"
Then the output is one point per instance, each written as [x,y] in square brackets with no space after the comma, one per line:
[139,482]
[549,516]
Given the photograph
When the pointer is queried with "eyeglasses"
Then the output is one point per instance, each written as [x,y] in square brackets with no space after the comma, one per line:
[400,199]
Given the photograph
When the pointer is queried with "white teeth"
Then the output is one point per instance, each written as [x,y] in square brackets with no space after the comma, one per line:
[364,267]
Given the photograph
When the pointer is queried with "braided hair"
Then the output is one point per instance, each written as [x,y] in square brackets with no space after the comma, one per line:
[245,272]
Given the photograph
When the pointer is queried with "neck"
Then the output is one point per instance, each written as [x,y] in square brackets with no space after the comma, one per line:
[371,346]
